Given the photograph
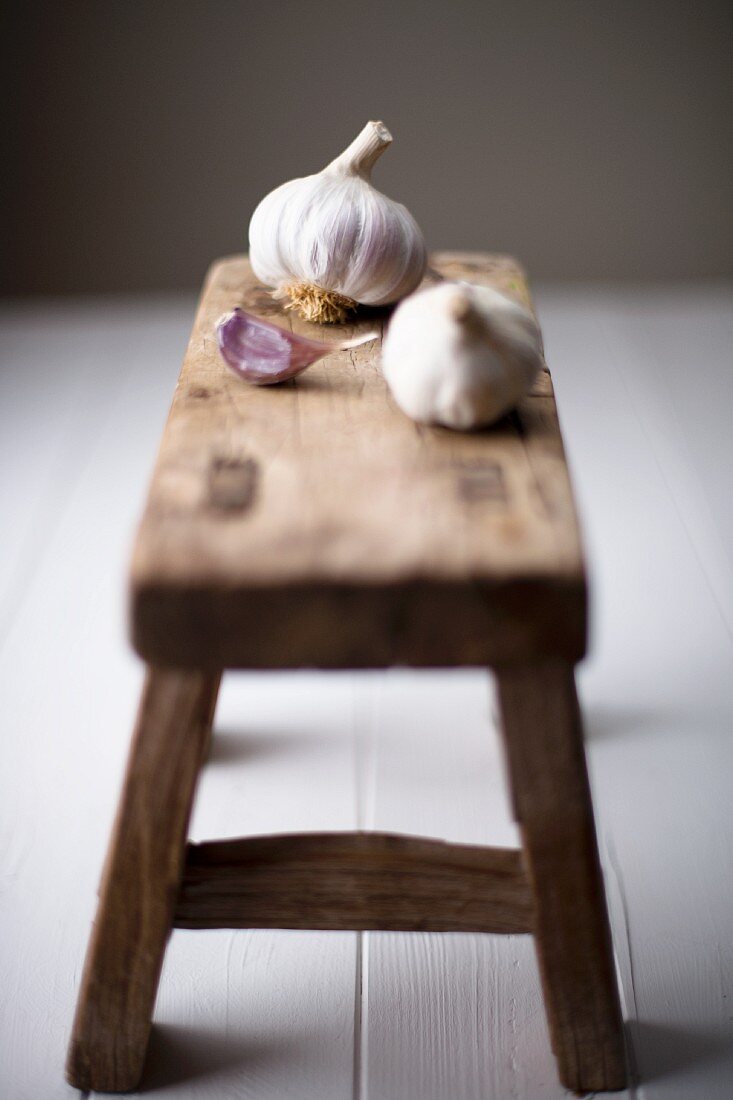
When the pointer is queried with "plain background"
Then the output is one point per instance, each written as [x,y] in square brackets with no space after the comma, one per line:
[590,139]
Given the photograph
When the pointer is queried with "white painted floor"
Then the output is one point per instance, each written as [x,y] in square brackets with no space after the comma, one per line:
[645,388]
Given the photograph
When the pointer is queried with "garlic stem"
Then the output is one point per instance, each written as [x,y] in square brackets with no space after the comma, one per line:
[364,151]
[462,310]
[474,323]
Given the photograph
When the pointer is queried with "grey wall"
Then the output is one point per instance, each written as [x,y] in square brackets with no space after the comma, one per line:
[591,139]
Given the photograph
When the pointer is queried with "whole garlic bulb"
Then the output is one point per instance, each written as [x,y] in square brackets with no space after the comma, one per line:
[460,355]
[330,241]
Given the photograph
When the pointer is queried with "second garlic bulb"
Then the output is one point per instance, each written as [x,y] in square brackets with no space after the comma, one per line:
[330,241]
[460,355]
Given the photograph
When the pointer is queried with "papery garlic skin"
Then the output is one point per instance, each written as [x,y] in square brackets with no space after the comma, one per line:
[334,232]
[460,355]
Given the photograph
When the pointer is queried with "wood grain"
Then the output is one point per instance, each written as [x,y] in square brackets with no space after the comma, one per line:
[140,882]
[353,881]
[312,523]
[552,805]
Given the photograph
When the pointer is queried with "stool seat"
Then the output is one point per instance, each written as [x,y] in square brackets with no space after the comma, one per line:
[312,523]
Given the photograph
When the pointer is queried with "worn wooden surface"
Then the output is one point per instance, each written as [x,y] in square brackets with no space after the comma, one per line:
[368,881]
[552,804]
[312,523]
[140,882]
[645,391]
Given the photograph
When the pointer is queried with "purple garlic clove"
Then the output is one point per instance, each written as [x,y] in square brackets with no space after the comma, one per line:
[262,353]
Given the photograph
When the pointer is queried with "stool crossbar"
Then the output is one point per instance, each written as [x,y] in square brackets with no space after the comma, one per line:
[313,525]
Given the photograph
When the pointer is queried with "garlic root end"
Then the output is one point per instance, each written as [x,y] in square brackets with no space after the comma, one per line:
[312,303]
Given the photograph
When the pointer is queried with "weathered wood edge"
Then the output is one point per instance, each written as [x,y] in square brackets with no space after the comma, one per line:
[376,626]
[354,881]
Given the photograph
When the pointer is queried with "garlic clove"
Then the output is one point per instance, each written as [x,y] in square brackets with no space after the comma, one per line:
[330,241]
[460,355]
[263,354]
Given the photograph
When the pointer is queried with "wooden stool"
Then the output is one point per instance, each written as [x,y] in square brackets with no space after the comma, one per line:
[312,524]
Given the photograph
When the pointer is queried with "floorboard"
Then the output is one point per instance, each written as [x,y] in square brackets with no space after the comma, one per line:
[658,687]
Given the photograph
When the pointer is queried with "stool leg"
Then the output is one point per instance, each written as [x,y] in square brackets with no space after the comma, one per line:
[140,881]
[552,803]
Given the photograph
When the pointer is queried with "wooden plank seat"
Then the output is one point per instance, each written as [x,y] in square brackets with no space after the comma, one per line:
[312,524]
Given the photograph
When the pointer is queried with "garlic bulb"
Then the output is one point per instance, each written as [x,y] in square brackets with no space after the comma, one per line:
[460,355]
[330,241]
